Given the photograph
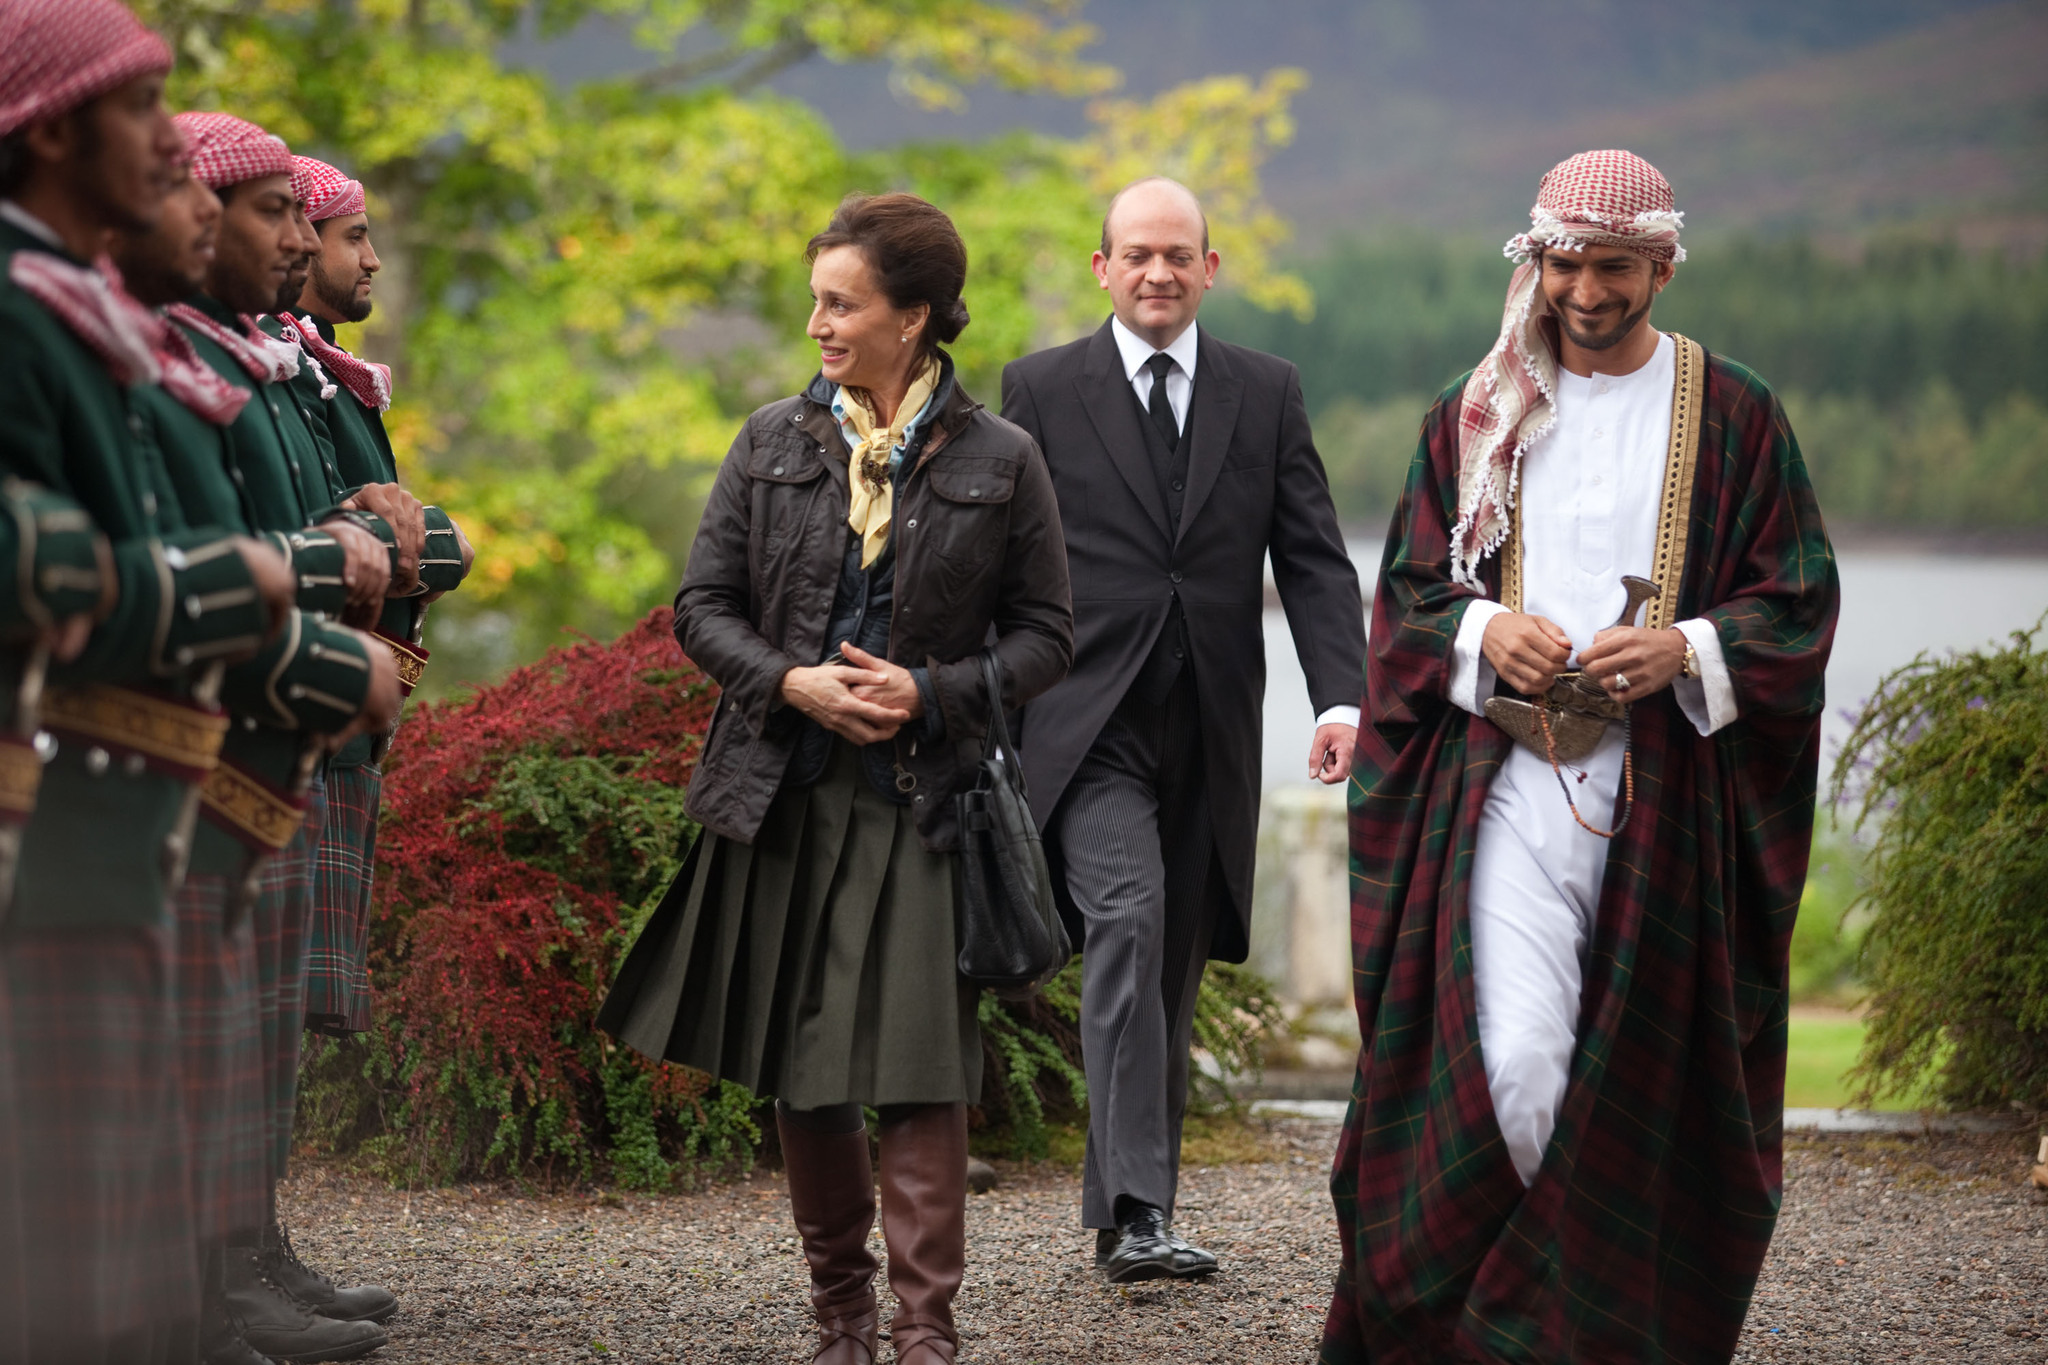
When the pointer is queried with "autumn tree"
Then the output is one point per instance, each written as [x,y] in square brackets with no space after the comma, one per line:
[586,286]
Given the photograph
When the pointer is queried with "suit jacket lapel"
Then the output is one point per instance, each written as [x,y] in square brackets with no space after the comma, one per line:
[1218,394]
[1106,397]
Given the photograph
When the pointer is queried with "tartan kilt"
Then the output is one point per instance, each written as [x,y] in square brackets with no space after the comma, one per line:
[227,1116]
[344,864]
[106,1211]
[282,917]
[13,1308]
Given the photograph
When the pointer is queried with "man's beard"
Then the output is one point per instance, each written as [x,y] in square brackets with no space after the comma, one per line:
[89,179]
[294,285]
[1605,341]
[153,280]
[339,299]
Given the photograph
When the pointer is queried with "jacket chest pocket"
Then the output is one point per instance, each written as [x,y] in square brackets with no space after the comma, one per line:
[788,478]
[969,512]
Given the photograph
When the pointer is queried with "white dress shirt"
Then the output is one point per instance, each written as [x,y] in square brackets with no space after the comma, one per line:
[1180,380]
[1136,352]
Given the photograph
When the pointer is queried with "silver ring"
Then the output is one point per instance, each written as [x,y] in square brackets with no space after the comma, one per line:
[1621,682]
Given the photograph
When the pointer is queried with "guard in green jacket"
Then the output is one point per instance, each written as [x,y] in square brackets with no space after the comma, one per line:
[105,1220]
[286,481]
[56,576]
[349,396]
[283,703]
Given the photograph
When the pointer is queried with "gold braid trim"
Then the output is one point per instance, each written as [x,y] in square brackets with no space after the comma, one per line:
[161,728]
[410,658]
[1681,463]
[248,808]
[21,772]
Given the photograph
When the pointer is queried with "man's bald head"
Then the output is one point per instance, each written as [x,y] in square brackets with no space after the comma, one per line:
[1152,196]
[1155,259]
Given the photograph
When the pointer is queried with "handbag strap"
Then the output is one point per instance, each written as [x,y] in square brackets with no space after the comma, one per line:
[997,740]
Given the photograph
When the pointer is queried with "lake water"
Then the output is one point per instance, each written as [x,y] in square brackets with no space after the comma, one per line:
[1894,607]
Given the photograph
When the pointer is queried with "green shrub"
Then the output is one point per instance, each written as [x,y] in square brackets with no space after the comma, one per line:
[1827,938]
[1949,765]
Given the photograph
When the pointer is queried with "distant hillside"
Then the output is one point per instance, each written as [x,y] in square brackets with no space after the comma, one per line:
[1829,115]
[1946,123]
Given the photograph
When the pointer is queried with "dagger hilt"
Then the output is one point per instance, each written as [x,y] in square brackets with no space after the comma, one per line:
[1639,590]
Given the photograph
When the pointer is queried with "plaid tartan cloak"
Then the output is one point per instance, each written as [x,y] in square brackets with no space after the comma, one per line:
[1644,1231]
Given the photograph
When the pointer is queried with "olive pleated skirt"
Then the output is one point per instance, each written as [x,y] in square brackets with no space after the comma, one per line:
[815,965]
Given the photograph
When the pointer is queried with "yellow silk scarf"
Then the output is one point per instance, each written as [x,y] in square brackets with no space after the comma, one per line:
[873,496]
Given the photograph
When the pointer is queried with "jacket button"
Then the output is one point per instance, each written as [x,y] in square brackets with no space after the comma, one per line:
[910,525]
[1175,575]
[778,469]
[974,492]
[796,418]
[96,760]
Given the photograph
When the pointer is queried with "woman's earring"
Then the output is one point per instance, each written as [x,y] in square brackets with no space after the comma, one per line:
[903,338]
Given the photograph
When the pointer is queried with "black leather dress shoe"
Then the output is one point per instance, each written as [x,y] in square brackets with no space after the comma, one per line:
[1142,1250]
[1190,1262]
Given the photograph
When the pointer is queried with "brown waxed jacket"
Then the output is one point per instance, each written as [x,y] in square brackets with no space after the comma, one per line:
[978,543]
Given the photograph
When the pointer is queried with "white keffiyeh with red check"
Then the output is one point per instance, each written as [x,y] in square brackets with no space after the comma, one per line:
[1604,198]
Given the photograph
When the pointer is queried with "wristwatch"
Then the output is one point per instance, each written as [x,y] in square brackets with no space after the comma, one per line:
[1691,667]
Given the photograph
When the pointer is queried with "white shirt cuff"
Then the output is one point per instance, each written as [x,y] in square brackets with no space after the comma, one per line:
[1708,700]
[1472,677]
[1338,715]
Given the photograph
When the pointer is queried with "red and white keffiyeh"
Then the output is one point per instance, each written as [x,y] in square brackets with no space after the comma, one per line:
[264,358]
[192,381]
[1605,198]
[226,150]
[113,325]
[366,379]
[325,191]
[57,54]
[136,345]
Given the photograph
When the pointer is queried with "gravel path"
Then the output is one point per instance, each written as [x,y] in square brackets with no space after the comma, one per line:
[1890,1249]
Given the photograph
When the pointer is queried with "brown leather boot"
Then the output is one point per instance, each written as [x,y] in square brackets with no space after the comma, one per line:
[832,1195]
[924,1222]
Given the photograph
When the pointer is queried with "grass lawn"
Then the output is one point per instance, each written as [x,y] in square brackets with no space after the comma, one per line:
[1822,1046]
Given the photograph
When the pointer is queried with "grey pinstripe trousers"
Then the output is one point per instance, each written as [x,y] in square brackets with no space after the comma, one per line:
[1132,837]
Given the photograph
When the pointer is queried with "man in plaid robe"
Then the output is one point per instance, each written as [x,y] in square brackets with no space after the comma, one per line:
[1565,1134]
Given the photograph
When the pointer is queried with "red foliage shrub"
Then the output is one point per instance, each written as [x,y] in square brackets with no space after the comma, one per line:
[518,831]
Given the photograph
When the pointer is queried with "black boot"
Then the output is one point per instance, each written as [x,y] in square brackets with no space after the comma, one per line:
[220,1332]
[362,1303]
[278,1325]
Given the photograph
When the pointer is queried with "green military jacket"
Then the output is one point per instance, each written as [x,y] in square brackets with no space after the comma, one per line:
[309,681]
[125,744]
[266,471]
[53,566]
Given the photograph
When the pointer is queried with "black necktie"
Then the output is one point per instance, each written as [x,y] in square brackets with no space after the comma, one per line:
[1161,411]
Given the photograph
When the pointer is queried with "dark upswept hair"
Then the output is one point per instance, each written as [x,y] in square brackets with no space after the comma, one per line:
[915,252]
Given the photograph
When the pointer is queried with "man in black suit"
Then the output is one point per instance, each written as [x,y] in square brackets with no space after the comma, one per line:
[1181,463]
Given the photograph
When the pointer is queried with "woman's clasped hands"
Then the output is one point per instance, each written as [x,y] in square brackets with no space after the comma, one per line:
[863,699]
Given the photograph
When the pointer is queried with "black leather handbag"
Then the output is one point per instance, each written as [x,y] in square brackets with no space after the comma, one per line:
[1005,919]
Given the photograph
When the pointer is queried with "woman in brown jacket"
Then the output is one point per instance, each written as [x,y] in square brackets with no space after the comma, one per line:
[861,544]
